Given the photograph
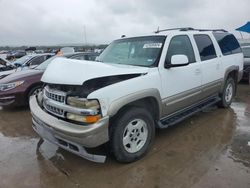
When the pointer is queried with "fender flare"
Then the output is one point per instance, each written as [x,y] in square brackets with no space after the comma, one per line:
[228,70]
[116,105]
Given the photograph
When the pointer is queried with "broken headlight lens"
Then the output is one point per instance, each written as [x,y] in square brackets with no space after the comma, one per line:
[84,103]
[9,86]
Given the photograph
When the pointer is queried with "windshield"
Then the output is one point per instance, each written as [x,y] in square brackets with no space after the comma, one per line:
[3,62]
[246,52]
[139,51]
[44,65]
[22,60]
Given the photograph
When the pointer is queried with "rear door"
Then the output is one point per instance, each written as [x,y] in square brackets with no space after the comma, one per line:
[181,85]
[210,65]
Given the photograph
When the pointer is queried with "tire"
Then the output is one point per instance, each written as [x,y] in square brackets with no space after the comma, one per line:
[34,91]
[131,134]
[228,93]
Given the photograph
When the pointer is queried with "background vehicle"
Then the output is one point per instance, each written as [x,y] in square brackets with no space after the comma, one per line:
[246,53]
[16,88]
[26,62]
[139,84]
[15,55]
[5,65]
[32,60]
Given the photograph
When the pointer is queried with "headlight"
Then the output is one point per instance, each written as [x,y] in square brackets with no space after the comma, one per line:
[84,103]
[9,86]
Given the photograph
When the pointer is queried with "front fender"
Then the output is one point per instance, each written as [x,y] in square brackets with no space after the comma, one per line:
[116,105]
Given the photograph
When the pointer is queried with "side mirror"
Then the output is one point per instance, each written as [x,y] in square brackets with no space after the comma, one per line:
[178,61]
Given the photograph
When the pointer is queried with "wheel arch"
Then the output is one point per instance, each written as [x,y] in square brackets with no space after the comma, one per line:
[232,71]
[30,88]
[149,99]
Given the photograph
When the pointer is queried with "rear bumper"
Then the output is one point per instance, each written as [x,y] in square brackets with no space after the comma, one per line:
[246,72]
[69,136]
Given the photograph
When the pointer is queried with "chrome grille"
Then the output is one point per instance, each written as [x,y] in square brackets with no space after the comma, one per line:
[54,95]
[54,110]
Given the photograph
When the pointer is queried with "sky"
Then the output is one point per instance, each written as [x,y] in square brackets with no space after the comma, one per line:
[53,22]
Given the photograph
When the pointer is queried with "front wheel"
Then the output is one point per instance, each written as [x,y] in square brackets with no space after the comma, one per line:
[132,134]
[34,91]
[228,93]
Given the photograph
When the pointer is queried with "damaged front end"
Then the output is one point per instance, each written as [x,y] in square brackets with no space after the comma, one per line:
[63,115]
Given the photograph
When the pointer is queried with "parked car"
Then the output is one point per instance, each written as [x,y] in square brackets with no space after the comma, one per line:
[15,55]
[32,60]
[26,62]
[246,53]
[16,88]
[5,65]
[6,68]
[139,84]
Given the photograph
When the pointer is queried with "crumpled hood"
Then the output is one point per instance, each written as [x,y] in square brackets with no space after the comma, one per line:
[76,72]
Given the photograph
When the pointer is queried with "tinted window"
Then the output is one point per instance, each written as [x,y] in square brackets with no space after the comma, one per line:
[92,57]
[205,47]
[37,60]
[228,43]
[180,45]
[79,57]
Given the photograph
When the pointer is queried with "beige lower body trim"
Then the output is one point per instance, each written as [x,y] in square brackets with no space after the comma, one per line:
[187,98]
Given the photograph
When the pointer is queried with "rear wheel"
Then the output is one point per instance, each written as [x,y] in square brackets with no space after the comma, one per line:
[132,134]
[228,93]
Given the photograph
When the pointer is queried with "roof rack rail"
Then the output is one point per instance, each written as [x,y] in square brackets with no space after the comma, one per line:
[189,29]
[221,30]
[178,28]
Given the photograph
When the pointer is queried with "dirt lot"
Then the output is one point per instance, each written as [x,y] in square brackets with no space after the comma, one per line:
[208,150]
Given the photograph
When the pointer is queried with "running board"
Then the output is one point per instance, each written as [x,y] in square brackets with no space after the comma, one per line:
[180,116]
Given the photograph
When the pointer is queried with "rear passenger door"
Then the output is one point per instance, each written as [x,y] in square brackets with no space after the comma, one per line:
[181,85]
[210,65]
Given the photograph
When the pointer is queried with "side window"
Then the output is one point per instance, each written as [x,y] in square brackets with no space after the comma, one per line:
[79,57]
[205,47]
[37,60]
[92,57]
[180,45]
[228,43]
[48,56]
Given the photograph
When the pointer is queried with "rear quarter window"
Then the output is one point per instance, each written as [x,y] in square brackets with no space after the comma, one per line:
[205,47]
[228,43]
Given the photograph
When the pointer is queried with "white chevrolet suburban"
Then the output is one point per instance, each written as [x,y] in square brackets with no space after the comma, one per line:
[136,85]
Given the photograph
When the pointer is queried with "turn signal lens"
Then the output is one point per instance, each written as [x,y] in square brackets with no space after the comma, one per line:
[83,119]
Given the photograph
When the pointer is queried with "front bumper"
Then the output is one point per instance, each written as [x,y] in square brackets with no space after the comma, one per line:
[12,99]
[69,136]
